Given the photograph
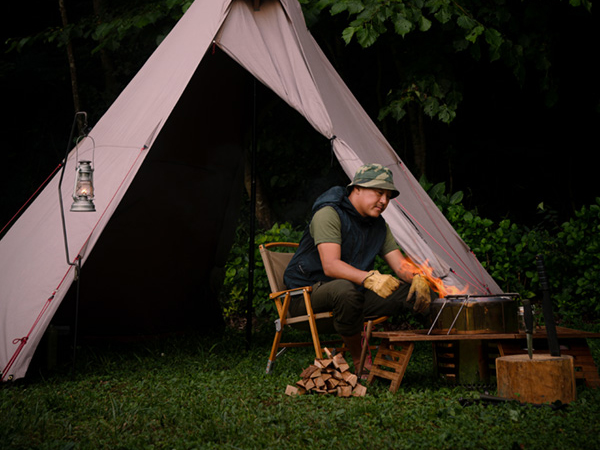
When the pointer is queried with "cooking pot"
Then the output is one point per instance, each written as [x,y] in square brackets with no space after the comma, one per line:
[456,314]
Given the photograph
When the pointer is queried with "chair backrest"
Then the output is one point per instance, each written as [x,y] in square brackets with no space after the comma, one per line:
[276,261]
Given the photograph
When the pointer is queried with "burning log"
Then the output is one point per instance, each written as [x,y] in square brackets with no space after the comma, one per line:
[331,376]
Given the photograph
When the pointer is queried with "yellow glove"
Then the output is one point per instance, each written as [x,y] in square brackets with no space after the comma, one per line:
[419,288]
[382,285]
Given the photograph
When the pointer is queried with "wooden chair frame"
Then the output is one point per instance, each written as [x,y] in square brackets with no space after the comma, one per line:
[275,264]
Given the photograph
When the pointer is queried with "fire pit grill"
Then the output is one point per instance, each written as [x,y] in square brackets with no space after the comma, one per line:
[476,314]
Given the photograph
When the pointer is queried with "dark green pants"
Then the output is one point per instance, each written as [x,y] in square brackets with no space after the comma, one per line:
[351,304]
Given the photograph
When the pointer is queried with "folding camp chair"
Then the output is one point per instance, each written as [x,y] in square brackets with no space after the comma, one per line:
[275,261]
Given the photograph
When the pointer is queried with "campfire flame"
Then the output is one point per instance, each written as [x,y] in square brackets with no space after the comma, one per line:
[436,283]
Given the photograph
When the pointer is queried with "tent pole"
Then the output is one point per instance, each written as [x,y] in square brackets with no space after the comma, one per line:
[76,264]
[252,223]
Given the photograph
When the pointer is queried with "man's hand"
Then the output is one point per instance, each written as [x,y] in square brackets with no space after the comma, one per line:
[382,285]
[419,288]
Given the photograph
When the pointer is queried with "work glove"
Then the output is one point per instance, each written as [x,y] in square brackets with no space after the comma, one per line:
[382,285]
[419,288]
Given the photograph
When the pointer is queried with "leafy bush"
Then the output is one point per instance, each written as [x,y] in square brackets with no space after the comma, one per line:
[234,294]
[579,263]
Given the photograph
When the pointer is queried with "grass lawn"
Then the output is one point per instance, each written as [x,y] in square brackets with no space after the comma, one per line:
[210,392]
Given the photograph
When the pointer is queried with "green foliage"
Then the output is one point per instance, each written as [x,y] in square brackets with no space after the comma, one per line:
[580,262]
[117,26]
[108,48]
[508,251]
[436,32]
[234,294]
[438,98]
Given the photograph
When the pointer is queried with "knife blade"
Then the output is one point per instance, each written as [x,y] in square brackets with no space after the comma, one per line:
[528,316]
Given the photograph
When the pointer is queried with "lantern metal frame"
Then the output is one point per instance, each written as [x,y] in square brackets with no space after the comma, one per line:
[83,187]
[77,263]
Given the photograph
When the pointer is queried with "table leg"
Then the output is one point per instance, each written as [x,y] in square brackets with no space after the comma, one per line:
[391,362]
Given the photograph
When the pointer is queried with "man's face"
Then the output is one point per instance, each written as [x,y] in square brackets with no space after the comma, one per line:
[370,202]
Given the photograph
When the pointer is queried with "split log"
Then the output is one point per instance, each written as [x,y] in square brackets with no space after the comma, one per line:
[359,390]
[350,378]
[344,391]
[323,363]
[294,390]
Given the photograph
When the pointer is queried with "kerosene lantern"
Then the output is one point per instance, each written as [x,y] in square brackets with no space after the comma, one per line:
[83,191]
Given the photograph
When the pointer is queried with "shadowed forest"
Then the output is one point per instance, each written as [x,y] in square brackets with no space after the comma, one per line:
[512,145]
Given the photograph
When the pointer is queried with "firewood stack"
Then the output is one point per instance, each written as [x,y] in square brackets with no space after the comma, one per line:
[330,375]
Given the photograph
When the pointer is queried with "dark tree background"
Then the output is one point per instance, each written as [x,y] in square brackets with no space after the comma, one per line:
[506,148]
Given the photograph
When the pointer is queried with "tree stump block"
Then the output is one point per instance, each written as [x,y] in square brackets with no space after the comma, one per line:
[542,379]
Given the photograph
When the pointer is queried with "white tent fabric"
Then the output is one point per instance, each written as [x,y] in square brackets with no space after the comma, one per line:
[274,45]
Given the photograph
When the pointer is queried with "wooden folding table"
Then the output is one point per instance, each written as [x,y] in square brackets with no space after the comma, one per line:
[396,348]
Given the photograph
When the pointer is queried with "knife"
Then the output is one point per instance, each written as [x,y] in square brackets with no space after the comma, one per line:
[547,308]
[528,316]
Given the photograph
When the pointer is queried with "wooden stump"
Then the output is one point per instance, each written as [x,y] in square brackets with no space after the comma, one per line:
[542,379]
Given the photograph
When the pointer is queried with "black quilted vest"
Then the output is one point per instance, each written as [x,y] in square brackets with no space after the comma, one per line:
[362,239]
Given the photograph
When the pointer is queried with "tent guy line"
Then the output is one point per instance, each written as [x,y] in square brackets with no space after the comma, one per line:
[29,200]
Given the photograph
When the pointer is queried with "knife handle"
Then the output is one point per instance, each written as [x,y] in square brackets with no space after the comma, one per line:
[542,272]
[528,316]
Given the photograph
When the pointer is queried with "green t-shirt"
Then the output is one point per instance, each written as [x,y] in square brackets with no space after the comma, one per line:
[326,226]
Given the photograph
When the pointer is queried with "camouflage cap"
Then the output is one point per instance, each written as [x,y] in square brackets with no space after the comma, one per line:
[374,176]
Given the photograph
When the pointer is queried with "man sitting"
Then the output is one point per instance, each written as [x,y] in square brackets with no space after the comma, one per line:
[337,253]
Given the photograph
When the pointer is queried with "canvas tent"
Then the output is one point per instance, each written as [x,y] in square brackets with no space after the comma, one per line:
[166,188]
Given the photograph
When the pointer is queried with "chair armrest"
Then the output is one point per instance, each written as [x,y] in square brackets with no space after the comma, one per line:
[376,319]
[295,291]
[304,318]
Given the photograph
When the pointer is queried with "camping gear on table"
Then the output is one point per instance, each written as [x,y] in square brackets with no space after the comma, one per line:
[464,314]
